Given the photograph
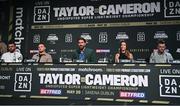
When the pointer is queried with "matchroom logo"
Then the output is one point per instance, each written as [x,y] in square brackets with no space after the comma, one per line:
[23,82]
[41,14]
[171,8]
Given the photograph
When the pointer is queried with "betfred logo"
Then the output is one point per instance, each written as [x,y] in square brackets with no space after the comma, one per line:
[131,94]
[102,50]
[50,92]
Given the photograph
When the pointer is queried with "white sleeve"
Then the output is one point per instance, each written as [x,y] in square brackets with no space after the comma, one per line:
[19,57]
[151,60]
[170,58]
[2,57]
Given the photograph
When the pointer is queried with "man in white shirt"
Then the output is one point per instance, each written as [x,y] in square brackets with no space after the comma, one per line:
[161,56]
[12,55]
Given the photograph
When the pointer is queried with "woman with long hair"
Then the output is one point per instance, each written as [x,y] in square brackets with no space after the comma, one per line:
[123,53]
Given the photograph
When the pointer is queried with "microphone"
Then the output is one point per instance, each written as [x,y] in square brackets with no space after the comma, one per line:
[166,58]
[14,57]
[39,57]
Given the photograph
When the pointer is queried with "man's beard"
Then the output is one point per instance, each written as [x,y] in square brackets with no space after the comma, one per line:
[161,52]
[81,47]
[41,52]
[11,51]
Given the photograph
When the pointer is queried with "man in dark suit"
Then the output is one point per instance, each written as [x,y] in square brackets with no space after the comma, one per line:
[83,53]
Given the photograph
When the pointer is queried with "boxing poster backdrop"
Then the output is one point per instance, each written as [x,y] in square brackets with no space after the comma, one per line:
[103,23]
[134,83]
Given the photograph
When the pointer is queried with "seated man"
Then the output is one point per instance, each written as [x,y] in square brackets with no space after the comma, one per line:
[160,56]
[83,53]
[42,56]
[12,55]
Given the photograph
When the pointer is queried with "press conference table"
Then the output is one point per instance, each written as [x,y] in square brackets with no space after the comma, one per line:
[33,83]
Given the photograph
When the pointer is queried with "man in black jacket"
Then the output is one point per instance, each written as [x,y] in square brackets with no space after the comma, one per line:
[83,53]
